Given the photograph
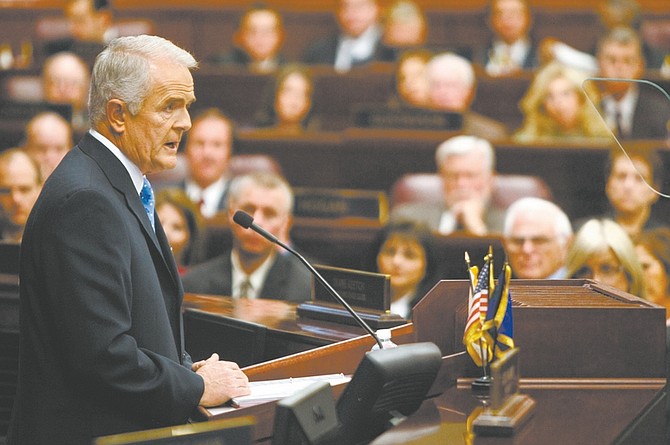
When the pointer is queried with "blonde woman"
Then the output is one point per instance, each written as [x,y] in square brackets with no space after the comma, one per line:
[556,107]
[603,251]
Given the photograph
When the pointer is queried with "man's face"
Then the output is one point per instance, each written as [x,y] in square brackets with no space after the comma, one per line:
[533,247]
[448,92]
[510,20]
[48,142]
[465,177]
[269,208]
[356,16]
[622,61]
[19,188]
[208,150]
[260,35]
[626,190]
[66,81]
[151,138]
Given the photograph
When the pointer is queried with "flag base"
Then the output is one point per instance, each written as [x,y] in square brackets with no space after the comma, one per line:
[482,385]
[504,422]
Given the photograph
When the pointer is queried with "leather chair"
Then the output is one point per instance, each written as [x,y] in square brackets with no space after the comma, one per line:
[413,187]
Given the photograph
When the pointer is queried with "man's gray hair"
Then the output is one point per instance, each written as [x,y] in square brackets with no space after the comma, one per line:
[452,62]
[462,145]
[532,205]
[263,179]
[122,71]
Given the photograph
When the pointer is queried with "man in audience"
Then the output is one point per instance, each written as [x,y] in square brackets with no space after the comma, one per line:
[451,88]
[537,236]
[65,80]
[629,189]
[48,139]
[253,268]
[209,145]
[466,164]
[512,48]
[632,111]
[359,40]
[20,185]
[258,41]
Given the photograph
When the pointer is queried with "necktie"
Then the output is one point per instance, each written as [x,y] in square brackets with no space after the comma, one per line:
[147,197]
[245,288]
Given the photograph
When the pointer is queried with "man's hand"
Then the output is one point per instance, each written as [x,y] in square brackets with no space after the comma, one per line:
[470,213]
[223,380]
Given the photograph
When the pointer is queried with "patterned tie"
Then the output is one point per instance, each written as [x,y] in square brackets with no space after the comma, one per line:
[147,197]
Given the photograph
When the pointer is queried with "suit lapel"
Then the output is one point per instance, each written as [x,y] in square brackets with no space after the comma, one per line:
[275,279]
[120,179]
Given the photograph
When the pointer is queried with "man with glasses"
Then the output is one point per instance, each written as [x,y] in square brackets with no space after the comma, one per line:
[536,236]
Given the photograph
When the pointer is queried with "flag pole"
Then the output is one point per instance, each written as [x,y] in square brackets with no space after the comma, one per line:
[472,292]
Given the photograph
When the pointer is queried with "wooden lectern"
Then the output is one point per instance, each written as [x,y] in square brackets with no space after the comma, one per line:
[592,357]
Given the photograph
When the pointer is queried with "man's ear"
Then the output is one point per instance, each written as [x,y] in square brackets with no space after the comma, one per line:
[116,115]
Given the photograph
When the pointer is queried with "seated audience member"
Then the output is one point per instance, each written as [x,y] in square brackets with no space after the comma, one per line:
[632,111]
[180,219]
[629,189]
[20,185]
[65,80]
[258,41]
[653,251]
[451,87]
[512,48]
[466,164]
[536,237]
[411,83]
[209,146]
[358,42]
[253,268]
[405,27]
[603,251]
[48,140]
[556,108]
[611,14]
[290,107]
[405,250]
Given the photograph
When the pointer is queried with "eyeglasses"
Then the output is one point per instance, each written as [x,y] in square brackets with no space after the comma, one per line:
[517,242]
[603,270]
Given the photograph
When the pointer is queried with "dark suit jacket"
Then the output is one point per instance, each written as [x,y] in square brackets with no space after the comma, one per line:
[324,52]
[101,329]
[651,115]
[288,279]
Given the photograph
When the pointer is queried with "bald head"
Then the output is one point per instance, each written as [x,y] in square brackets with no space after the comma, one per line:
[48,139]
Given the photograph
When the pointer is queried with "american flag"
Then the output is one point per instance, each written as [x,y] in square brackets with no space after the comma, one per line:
[477,308]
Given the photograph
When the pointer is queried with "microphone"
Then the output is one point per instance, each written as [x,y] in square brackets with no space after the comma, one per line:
[245,220]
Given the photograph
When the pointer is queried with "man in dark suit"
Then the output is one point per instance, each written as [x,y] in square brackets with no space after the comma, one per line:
[209,146]
[258,41]
[632,110]
[254,268]
[358,42]
[102,343]
[512,48]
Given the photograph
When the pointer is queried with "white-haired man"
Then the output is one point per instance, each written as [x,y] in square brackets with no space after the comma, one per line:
[537,237]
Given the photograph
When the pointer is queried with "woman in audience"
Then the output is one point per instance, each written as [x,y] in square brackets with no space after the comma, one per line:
[556,107]
[604,252]
[405,27]
[411,83]
[289,106]
[653,251]
[405,251]
[180,219]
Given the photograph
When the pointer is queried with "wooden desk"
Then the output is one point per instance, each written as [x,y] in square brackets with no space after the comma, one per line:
[283,331]
[602,390]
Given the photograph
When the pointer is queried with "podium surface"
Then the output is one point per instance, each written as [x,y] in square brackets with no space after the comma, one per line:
[592,357]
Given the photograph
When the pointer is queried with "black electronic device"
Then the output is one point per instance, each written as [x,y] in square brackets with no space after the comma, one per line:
[388,385]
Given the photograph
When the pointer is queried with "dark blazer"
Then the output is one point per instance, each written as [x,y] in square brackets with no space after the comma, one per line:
[237,56]
[651,115]
[530,61]
[288,279]
[101,329]
[324,52]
